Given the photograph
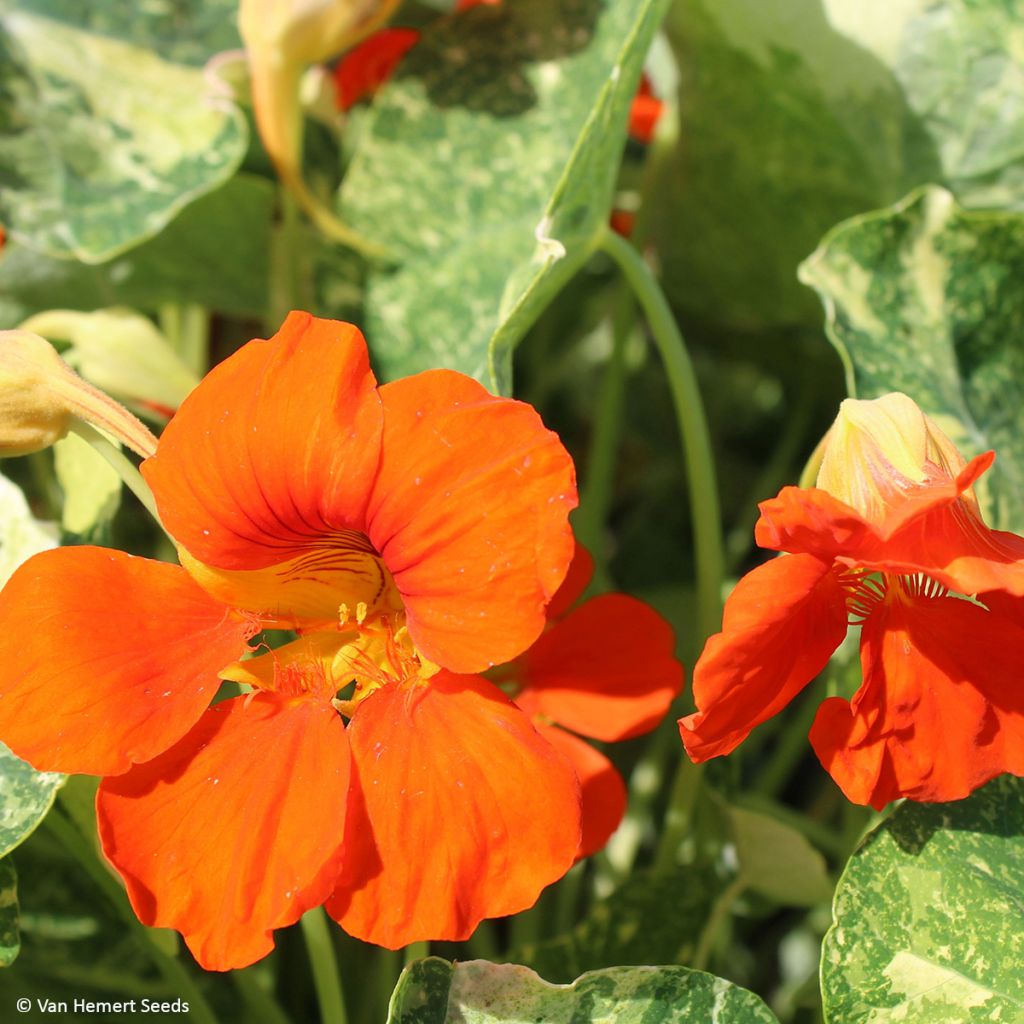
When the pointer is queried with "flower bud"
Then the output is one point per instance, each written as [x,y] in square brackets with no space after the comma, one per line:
[122,353]
[308,31]
[879,450]
[41,398]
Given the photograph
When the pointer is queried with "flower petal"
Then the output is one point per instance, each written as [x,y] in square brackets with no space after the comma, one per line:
[465,813]
[941,709]
[935,530]
[607,670]
[366,67]
[276,448]
[235,831]
[109,659]
[577,579]
[782,623]
[470,513]
[602,791]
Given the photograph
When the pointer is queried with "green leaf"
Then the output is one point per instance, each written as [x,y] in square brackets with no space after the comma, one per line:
[25,797]
[10,941]
[186,31]
[929,916]
[477,992]
[105,141]
[487,171]
[92,489]
[21,534]
[926,298]
[796,115]
[777,861]
[214,253]
[650,917]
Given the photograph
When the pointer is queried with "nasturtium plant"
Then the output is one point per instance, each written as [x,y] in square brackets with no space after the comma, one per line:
[25,797]
[123,138]
[797,115]
[924,297]
[487,172]
[928,916]
[476,992]
[293,582]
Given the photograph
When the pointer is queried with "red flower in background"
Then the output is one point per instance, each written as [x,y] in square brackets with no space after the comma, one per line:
[644,112]
[605,669]
[411,534]
[888,539]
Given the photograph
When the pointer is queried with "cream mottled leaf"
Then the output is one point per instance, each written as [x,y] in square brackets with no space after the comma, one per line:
[486,171]
[928,299]
[104,141]
[25,797]
[929,916]
[796,115]
[10,941]
[477,992]
[21,534]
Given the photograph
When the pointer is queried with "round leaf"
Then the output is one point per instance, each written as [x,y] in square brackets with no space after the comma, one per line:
[929,916]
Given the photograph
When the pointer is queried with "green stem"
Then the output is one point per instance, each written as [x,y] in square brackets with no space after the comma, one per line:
[716,919]
[194,339]
[416,951]
[260,1005]
[595,499]
[121,465]
[324,963]
[75,842]
[685,790]
[700,467]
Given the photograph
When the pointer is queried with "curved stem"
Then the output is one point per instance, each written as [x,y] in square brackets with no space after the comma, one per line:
[700,468]
[715,920]
[324,963]
[595,496]
[75,842]
[121,465]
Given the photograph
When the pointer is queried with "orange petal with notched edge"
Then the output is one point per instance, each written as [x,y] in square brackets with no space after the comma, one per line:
[109,660]
[941,709]
[276,448]
[577,579]
[934,531]
[461,812]
[235,831]
[782,623]
[602,791]
[470,513]
[607,670]
[366,67]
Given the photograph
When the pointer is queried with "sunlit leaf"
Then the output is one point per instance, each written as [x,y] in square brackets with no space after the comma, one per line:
[487,170]
[21,534]
[929,916]
[215,253]
[477,992]
[796,115]
[928,299]
[92,489]
[104,141]
[777,861]
[25,797]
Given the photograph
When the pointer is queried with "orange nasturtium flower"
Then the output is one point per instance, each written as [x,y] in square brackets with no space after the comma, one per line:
[412,534]
[574,681]
[892,540]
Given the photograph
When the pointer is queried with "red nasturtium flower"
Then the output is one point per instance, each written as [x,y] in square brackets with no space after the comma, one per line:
[574,683]
[412,535]
[892,540]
